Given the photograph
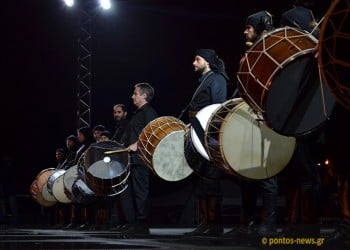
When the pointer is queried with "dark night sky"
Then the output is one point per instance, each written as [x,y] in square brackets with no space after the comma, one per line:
[138,41]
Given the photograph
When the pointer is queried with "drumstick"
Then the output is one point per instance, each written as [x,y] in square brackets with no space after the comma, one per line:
[116,151]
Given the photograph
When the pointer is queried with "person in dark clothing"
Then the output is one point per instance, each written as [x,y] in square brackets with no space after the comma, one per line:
[60,157]
[79,212]
[96,131]
[301,16]
[139,180]
[60,209]
[304,180]
[212,89]
[256,25]
[121,123]
[303,194]
[72,145]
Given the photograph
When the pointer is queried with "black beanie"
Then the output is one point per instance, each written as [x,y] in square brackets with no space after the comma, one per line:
[106,133]
[211,57]
[72,138]
[300,17]
[85,131]
[261,21]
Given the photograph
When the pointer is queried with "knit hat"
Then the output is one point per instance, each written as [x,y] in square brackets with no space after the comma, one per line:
[261,21]
[211,57]
[72,138]
[106,133]
[300,17]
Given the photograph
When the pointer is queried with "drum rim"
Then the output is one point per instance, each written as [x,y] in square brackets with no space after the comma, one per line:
[195,139]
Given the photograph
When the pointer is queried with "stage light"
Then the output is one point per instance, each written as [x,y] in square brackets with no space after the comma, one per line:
[105,4]
[69,3]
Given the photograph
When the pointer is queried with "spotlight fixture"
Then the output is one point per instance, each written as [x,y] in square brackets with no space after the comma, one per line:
[69,3]
[105,4]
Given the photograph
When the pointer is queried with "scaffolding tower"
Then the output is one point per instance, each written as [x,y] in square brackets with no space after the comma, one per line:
[84,70]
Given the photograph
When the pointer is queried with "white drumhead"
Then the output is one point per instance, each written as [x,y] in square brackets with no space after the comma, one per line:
[107,169]
[251,148]
[203,116]
[58,190]
[50,181]
[69,177]
[46,194]
[169,160]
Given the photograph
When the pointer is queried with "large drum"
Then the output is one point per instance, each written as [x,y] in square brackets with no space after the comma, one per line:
[195,152]
[75,188]
[106,174]
[161,147]
[37,195]
[279,78]
[82,193]
[334,56]
[47,195]
[238,142]
[57,191]
[69,178]
[40,185]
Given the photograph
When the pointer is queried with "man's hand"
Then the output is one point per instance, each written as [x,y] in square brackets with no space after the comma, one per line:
[132,147]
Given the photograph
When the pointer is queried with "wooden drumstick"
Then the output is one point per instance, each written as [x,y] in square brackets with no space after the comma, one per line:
[116,151]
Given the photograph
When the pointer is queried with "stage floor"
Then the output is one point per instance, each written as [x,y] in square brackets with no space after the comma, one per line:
[163,238]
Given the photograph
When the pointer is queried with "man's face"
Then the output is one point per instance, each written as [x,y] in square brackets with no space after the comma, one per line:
[69,144]
[200,64]
[118,113]
[81,137]
[59,156]
[250,34]
[138,98]
[104,138]
[97,135]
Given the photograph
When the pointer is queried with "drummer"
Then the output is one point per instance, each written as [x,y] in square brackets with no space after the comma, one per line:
[256,25]
[304,180]
[301,16]
[212,89]
[85,138]
[139,180]
[96,131]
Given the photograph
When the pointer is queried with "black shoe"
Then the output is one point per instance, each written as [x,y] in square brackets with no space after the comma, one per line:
[69,226]
[134,229]
[117,228]
[235,231]
[242,230]
[200,230]
[214,230]
[267,231]
[84,226]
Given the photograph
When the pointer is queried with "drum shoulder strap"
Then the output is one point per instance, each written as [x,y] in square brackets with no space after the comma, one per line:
[198,129]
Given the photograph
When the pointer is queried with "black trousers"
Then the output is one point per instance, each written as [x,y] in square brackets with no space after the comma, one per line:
[136,198]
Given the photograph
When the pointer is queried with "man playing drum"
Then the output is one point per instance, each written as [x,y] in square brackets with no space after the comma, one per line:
[212,89]
[140,175]
[256,25]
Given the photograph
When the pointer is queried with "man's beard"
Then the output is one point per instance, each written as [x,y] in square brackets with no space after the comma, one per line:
[200,70]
